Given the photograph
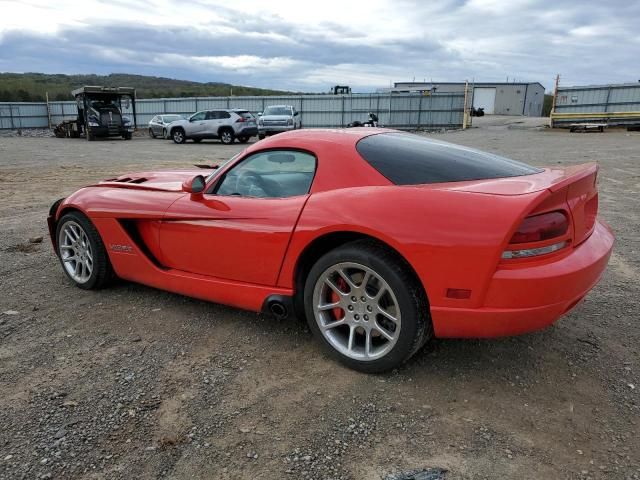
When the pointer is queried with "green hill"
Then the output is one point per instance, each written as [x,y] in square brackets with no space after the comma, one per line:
[31,87]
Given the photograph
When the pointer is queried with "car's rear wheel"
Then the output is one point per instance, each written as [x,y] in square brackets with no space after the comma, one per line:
[178,135]
[243,139]
[151,134]
[82,253]
[226,136]
[364,304]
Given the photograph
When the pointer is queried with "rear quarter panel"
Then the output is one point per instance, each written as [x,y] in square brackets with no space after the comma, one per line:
[453,239]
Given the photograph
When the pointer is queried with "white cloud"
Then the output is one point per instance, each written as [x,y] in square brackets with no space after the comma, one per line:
[299,44]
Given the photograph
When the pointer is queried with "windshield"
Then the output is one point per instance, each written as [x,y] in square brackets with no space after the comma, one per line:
[277,111]
[171,118]
[221,167]
[104,105]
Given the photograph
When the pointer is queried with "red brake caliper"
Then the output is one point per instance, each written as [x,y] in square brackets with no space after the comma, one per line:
[338,313]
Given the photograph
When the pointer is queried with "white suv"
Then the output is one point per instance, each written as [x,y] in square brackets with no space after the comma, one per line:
[278,118]
[227,125]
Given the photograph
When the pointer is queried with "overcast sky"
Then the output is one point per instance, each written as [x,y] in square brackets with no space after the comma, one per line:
[314,44]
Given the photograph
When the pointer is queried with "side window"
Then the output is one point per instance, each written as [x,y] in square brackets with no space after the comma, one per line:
[270,174]
[212,115]
[198,116]
[224,115]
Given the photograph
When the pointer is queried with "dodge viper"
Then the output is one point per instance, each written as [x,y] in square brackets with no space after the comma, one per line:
[380,239]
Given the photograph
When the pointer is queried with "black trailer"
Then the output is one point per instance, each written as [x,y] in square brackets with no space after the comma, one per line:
[100,113]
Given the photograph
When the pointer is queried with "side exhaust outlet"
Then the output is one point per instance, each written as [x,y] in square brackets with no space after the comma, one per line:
[278,310]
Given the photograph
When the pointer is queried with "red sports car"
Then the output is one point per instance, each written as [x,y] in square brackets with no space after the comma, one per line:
[381,239]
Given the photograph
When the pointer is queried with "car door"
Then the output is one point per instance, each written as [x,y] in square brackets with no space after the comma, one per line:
[240,231]
[224,118]
[211,123]
[197,124]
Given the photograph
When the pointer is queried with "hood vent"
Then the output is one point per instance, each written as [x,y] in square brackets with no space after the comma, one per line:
[130,180]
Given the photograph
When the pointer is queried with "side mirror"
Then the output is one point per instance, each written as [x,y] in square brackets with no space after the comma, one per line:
[194,185]
[259,114]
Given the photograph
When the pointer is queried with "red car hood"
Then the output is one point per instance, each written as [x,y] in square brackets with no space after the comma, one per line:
[167,180]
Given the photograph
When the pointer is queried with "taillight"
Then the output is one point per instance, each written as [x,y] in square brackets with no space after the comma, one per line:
[241,119]
[538,228]
[535,229]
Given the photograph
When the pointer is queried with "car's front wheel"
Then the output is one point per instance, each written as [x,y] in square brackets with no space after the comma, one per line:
[82,253]
[178,135]
[151,133]
[366,306]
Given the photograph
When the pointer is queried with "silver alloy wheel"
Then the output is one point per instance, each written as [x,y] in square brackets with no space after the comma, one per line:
[226,136]
[75,251]
[178,136]
[357,311]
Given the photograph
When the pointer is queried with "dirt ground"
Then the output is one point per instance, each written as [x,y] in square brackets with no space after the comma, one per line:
[132,382]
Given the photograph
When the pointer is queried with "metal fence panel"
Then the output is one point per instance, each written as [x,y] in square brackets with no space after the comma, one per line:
[618,104]
[407,111]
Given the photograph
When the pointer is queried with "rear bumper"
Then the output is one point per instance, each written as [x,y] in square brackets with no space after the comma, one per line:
[530,298]
[247,132]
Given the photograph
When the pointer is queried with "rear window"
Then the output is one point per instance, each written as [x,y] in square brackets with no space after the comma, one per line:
[244,114]
[407,159]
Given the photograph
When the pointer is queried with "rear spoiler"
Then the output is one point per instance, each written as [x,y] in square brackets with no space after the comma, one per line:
[573,174]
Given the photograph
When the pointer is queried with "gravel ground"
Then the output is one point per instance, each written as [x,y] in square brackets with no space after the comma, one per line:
[132,382]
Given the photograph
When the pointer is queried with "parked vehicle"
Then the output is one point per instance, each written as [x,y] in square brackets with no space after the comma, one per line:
[158,124]
[381,239]
[371,122]
[477,112]
[226,125]
[278,119]
[100,113]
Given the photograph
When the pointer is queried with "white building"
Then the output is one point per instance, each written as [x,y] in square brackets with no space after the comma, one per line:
[495,98]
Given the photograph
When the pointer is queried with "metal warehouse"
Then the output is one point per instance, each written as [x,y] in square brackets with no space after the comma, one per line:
[496,98]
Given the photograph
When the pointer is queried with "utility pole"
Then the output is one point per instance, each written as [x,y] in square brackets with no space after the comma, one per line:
[46,94]
[553,103]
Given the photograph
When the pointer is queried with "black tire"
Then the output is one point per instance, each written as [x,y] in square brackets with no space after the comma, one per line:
[102,273]
[243,139]
[261,136]
[178,135]
[197,140]
[226,136]
[416,328]
[151,134]
[127,136]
